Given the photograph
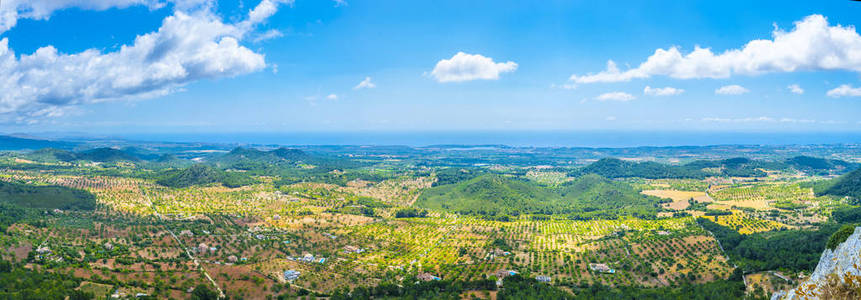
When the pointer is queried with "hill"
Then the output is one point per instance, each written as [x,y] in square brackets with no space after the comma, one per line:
[738,167]
[51,155]
[19,143]
[488,194]
[848,185]
[617,168]
[106,155]
[97,155]
[202,175]
[820,166]
[586,197]
[46,197]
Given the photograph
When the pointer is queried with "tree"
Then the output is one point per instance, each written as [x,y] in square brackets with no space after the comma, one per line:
[202,292]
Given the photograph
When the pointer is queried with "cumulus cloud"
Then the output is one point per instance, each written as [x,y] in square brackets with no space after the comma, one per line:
[365,84]
[666,91]
[844,91]
[615,96]
[13,10]
[466,67]
[795,89]
[332,97]
[812,45]
[189,46]
[731,90]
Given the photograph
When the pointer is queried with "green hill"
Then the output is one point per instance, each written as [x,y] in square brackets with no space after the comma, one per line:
[739,167]
[820,166]
[98,155]
[106,155]
[46,197]
[20,143]
[617,168]
[846,185]
[487,194]
[51,155]
[589,196]
[202,175]
[253,159]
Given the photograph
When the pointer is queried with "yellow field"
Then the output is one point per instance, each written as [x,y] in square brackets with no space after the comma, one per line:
[680,198]
[745,224]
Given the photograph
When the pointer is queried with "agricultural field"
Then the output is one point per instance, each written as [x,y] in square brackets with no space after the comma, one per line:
[123,229]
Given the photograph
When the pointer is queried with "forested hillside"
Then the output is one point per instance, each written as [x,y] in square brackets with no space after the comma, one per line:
[585,197]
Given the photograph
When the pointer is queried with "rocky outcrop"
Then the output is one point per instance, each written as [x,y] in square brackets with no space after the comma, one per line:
[844,260]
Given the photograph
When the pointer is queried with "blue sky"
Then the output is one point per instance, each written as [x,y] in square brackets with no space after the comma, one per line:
[276,66]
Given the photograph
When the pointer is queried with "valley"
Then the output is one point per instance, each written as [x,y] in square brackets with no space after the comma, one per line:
[341,219]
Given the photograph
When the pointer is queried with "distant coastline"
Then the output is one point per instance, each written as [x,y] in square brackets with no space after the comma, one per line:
[614,139]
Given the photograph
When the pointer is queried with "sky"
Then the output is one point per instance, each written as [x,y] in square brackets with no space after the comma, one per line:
[178,66]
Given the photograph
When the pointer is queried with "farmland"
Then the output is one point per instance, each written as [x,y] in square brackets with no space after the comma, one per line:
[367,221]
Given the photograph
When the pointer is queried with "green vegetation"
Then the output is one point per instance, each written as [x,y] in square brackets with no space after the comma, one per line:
[411,288]
[820,166]
[203,175]
[848,185]
[17,282]
[736,167]
[796,250]
[46,197]
[840,236]
[589,196]
[9,214]
[847,215]
[376,219]
[411,213]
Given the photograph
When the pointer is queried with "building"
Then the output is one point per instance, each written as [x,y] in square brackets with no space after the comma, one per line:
[291,275]
[603,268]
[427,277]
[505,273]
[353,249]
[543,278]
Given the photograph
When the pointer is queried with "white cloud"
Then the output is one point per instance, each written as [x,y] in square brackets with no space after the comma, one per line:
[667,91]
[731,90]
[738,120]
[615,96]
[268,35]
[13,10]
[339,3]
[764,119]
[263,11]
[465,67]
[812,45]
[365,84]
[795,89]
[332,97]
[844,91]
[189,46]
[791,120]
[610,118]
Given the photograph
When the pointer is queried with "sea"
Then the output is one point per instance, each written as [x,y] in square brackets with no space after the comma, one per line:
[593,138]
